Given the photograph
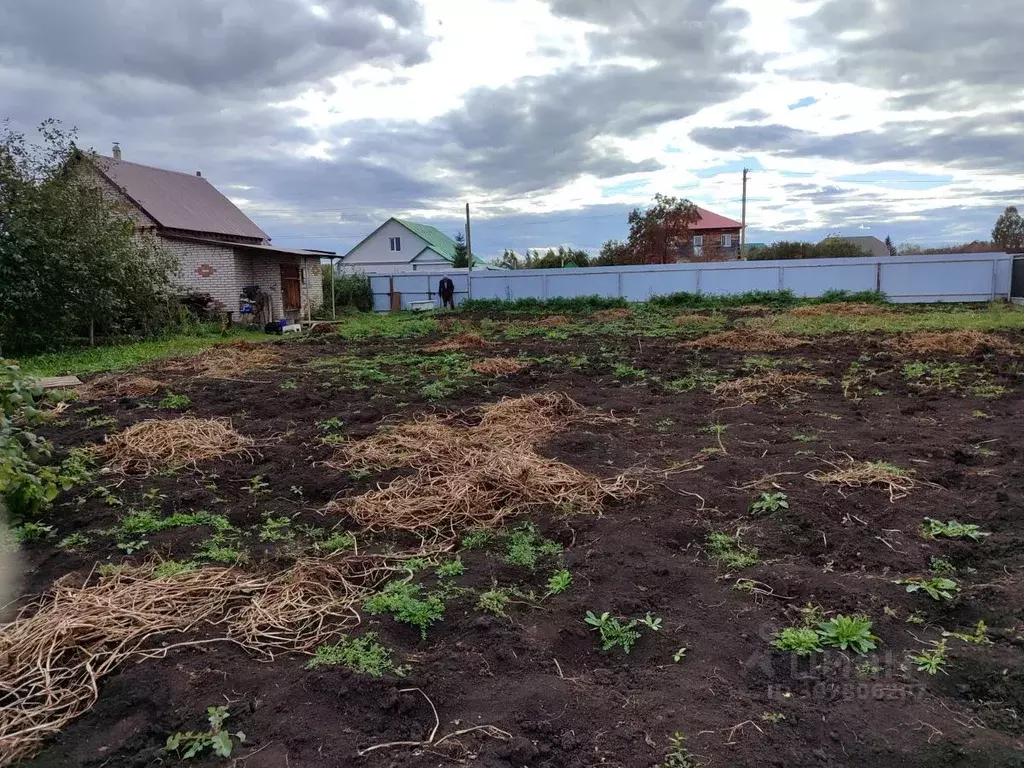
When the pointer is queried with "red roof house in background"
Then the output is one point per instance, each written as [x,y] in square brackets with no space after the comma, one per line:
[715,238]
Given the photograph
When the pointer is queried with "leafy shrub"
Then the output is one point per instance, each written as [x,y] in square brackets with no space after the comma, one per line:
[614,633]
[352,291]
[360,654]
[952,530]
[27,485]
[769,503]
[576,305]
[937,588]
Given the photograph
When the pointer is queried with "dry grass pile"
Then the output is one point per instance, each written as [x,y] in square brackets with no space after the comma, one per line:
[158,444]
[553,321]
[839,309]
[746,340]
[54,654]
[498,366]
[612,314]
[959,343]
[457,342]
[751,309]
[862,474]
[226,361]
[475,476]
[753,389]
[118,385]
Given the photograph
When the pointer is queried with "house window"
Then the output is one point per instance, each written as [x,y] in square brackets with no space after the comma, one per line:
[396,244]
[727,241]
[698,241]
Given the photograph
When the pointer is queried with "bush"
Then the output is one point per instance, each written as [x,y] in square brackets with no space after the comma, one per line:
[830,248]
[69,260]
[352,291]
[683,300]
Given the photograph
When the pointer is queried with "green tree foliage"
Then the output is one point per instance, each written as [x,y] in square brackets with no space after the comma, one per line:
[563,257]
[893,250]
[510,260]
[830,248]
[461,260]
[656,234]
[68,258]
[613,253]
[1008,233]
[351,291]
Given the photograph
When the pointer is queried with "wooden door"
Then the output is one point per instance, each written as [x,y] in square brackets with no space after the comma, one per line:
[291,289]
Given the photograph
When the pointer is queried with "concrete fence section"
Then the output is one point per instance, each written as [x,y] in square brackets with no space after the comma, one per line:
[947,277]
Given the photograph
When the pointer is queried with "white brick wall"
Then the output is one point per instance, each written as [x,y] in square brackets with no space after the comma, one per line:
[206,268]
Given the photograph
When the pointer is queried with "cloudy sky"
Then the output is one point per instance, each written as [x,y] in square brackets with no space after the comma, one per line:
[321,118]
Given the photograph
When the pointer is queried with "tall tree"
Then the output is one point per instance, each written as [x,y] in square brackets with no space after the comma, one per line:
[613,253]
[657,234]
[69,260]
[461,260]
[893,250]
[1008,233]
[509,260]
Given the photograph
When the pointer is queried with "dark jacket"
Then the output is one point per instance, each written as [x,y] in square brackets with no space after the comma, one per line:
[446,287]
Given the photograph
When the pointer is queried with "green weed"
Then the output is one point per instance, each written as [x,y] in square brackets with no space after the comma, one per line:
[952,530]
[938,588]
[74,541]
[405,603]
[848,633]
[978,637]
[942,565]
[451,568]
[932,661]
[363,655]
[276,529]
[559,582]
[476,539]
[769,503]
[612,631]
[677,755]
[172,568]
[172,401]
[525,546]
[494,601]
[94,422]
[729,551]
[216,739]
[289,384]
[802,641]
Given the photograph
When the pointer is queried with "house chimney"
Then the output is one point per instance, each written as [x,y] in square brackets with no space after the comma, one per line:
[199,174]
[116,152]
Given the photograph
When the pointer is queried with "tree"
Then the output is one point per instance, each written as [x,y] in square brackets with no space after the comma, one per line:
[893,251]
[613,253]
[70,264]
[461,260]
[1008,233]
[656,235]
[509,260]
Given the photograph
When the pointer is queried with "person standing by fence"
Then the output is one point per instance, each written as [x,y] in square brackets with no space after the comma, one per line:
[446,290]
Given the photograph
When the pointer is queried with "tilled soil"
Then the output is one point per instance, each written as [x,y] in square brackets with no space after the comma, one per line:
[539,675]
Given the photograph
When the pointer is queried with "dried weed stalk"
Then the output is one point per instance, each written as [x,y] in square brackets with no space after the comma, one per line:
[959,343]
[839,309]
[157,444]
[753,389]
[746,340]
[499,366]
[457,342]
[118,385]
[861,474]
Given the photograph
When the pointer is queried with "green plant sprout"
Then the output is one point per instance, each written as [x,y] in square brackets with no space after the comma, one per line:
[729,551]
[403,602]
[848,632]
[449,569]
[191,744]
[803,641]
[494,601]
[172,401]
[677,755]
[933,661]
[952,530]
[679,655]
[769,503]
[559,582]
[937,589]
[613,632]
[978,637]
[360,654]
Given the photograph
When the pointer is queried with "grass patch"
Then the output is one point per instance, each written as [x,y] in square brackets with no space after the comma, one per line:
[406,603]
[729,551]
[861,474]
[994,318]
[363,655]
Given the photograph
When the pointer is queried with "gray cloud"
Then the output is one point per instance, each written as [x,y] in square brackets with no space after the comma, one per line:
[955,55]
[992,143]
[256,46]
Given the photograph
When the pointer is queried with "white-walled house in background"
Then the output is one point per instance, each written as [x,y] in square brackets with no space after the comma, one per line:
[402,246]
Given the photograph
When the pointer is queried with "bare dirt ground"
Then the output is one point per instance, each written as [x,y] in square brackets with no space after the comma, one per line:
[537,674]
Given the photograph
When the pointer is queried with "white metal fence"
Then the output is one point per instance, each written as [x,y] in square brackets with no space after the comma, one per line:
[947,277]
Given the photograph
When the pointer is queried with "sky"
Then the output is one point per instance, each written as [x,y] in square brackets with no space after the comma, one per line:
[552,118]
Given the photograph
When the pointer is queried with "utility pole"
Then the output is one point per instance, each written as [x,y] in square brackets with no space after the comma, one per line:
[743,229]
[469,251]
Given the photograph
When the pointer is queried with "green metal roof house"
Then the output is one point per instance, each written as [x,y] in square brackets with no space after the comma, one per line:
[398,245]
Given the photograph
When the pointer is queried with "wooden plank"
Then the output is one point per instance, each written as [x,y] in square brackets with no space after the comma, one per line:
[59,382]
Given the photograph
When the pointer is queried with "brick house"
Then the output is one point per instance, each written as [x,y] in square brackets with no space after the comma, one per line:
[219,249]
[714,238]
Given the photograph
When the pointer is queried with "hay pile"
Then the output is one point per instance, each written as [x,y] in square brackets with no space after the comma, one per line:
[746,340]
[861,474]
[118,385]
[553,321]
[839,309]
[471,477]
[612,314]
[54,654]
[498,366]
[753,389]
[959,343]
[457,342]
[226,361]
[156,444]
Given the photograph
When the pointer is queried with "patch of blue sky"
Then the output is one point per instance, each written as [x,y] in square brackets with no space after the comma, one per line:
[806,101]
[733,166]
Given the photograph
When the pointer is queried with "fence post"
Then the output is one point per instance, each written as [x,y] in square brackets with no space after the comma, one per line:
[878,276]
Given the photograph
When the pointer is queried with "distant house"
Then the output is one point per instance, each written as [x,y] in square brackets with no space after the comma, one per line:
[219,249]
[398,245]
[715,238]
[870,245]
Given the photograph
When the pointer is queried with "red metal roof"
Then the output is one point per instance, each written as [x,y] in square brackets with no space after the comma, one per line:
[179,200]
[709,220]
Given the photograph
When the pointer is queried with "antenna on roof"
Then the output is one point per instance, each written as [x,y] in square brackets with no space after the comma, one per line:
[116,152]
[199,173]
